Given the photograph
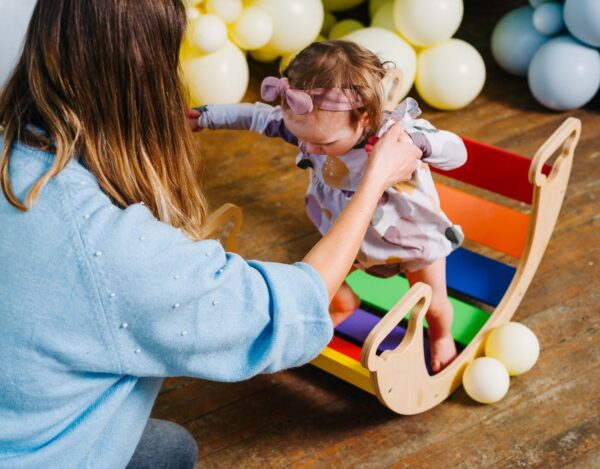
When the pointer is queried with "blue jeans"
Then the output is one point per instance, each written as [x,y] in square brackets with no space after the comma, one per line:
[164,445]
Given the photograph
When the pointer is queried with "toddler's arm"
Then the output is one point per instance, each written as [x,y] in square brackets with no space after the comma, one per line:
[258,117]
[441,149]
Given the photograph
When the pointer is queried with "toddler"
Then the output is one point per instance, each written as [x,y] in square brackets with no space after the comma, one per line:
[332,108]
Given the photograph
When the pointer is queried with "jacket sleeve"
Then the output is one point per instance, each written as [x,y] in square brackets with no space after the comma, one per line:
[178,307]
[258,117]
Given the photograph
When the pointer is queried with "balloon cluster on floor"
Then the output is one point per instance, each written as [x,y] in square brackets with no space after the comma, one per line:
[510,350]
[555,44]
[416,35]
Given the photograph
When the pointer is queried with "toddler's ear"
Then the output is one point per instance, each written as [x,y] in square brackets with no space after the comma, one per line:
[392,86]
[364,119]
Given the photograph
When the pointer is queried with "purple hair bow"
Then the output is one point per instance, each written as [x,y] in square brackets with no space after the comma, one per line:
[300,102]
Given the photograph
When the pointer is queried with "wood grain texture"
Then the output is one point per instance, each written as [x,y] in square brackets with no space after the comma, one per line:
[306,418]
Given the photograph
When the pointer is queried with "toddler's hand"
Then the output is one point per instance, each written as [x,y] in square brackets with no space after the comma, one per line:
[193,115]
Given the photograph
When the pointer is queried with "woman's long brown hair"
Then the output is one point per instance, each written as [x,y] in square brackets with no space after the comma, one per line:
[101,79]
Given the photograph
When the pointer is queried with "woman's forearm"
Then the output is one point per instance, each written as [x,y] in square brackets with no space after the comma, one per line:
[334,254]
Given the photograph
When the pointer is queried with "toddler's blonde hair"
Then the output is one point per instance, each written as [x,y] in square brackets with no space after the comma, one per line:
[341,64]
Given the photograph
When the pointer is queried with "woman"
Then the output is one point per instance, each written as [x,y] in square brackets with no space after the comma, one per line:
[106,287]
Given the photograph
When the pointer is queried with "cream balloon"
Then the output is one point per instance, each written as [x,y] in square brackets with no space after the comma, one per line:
[345,27]
[295,23]
[192,14]
[253,29]
[227,10]
[450,75]
[217,78]
[486,380]
[339,5]
[384,18]
[427,22]
[514,345]
[389,47]
[208,33]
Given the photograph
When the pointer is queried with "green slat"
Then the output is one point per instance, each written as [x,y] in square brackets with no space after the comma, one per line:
[384,293]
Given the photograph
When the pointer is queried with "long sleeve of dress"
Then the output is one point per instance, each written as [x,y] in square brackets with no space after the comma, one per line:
[258,117]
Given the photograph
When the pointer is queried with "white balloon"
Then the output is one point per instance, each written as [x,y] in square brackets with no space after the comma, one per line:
[253,29]
[486,380]
[389,47]
[296,23]
[208,33]
[427,22]
[217,78]
[227,10]
[14,19]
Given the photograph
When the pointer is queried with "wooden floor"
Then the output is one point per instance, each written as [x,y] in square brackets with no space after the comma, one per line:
[306,418]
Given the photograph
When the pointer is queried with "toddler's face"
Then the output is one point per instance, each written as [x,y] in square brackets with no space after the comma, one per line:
[324,132]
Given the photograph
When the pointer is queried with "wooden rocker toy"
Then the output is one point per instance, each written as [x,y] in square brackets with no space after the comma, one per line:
[374,349]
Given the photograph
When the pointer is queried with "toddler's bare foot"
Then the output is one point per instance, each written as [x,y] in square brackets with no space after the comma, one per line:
[443,351]
[343,304]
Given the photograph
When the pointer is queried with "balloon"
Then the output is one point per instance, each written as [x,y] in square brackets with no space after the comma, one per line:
[450,75]
[384,18]
[537,3]
[344,27]
[217,78]
[264,54]
[328,22]
[192,14]
[375,5]
[515,40]
[486,380]
[208,33]
[514,345]
[339,5]
[582,18]
[15,18]
[227,10]
[548,18]
[564,74]
[427,22]
[389,47]
[296,23]
[253,29]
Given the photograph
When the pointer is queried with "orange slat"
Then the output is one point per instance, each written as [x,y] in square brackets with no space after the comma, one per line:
[495,226]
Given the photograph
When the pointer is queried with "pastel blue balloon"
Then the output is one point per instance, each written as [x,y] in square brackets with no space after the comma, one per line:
[582,18]
[537,3]
[515,40]
[564,73]
[548,18]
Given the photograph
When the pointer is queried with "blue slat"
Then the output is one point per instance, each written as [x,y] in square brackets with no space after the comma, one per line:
[478,276]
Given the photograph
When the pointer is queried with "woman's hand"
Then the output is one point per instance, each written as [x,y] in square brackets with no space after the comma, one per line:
[392,158]
[193,115]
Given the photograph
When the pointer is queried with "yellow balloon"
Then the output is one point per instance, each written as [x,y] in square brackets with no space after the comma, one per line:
[295,23]
[389,47]
[339,5]
[264,54]
[427,22]
[328,22]
[375,5]
[345,27]
[384,18]
[217,78]
[253,29]
[450,75]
